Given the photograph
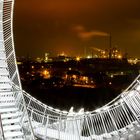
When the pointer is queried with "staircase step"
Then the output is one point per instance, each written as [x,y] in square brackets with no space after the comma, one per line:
[2,55]
[5,104]
[4,94]
[11,127]
[16,139]
[13,134]
[10,115]
[6,110]
[4,79]
[5,90]
[1,48]
[3,64]
[4,71]
[6,99]
[5,86]
[10,121]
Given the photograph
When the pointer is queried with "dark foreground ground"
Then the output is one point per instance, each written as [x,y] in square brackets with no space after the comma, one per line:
[64,98]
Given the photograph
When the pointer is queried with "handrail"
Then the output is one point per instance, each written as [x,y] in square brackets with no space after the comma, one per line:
[1,130]
[36,102]
[114,116]
[25,115]
[39,103]
[119,96]
[109,118]
[108,105]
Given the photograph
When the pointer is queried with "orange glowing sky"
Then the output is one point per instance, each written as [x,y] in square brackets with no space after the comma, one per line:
[51,26]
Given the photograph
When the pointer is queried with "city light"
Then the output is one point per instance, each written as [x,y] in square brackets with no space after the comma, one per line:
[23,116]
[88,57]
[110,83]
[119,56]
[77,58]
[32,67]
[46,74]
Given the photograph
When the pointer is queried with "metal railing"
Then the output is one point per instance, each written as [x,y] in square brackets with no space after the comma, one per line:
[108,120]
[1,130]
[36,118]
[7,45]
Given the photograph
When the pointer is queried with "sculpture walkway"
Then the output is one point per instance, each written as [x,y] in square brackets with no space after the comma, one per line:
[22,117]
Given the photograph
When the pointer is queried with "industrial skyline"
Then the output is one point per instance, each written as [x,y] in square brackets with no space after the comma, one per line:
[71,26]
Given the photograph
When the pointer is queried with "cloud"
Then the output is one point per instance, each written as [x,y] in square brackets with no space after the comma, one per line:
[83,34]
[90,34]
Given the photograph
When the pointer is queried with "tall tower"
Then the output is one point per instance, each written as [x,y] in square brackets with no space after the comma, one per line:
[110,46]
[46,57]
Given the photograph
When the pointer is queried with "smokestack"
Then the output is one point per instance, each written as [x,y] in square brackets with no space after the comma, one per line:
[110,46]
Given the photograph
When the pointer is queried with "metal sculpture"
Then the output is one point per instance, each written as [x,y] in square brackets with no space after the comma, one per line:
[22,117]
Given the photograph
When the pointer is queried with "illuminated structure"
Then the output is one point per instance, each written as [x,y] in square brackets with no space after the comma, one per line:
[22,117]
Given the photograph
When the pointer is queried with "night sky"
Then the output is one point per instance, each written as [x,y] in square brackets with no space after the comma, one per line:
[73,26]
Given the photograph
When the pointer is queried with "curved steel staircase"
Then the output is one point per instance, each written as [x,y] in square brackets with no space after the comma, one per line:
[22,117]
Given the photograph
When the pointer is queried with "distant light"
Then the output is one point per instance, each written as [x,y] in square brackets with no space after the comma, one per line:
[103,52]
[46,74]
[62,54]
[66,76]
[122,72]
[85,78]
[112,75]
[119,56]
[77,58]
[88,57]
[74,76]
[19,63]
[38,59]
[110,83]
